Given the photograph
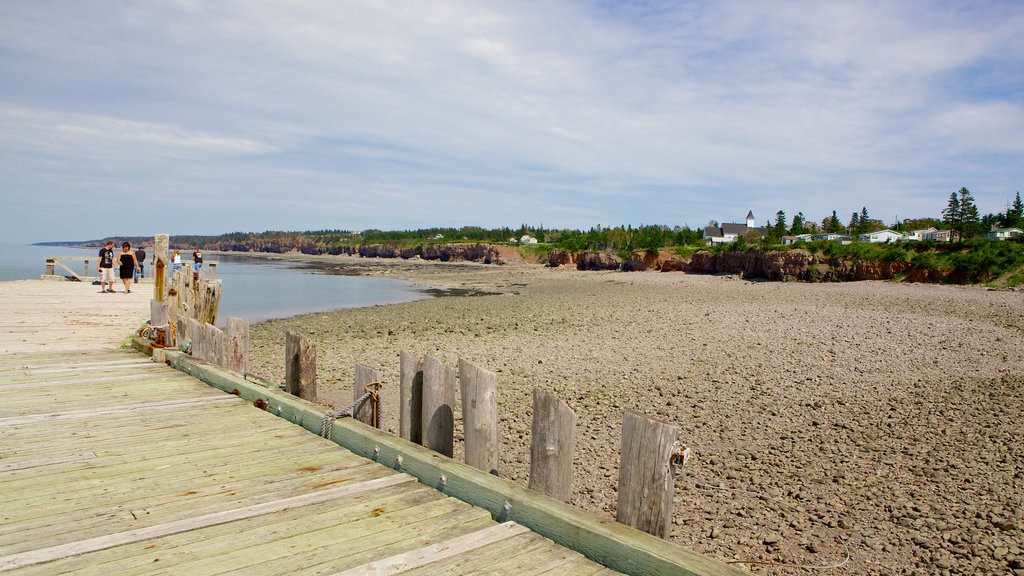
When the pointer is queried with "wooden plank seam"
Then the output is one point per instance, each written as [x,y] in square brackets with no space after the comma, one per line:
[435,552]
[51,553]
[77,414]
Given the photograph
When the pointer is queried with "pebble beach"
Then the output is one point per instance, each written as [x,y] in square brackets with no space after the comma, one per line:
[860,428]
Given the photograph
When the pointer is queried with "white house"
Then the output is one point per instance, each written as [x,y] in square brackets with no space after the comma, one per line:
[527,239]
[917,235]
[1004,233]
[938,235]
[730,231]
[833,237]
[880,236]
[797,238]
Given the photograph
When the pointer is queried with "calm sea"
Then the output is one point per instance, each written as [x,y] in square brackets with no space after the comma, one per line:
[254,288]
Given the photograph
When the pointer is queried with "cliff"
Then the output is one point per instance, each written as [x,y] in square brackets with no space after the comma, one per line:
[777,265]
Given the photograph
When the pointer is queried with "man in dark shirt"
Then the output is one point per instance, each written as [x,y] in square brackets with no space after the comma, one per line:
[140,255]
[106,267]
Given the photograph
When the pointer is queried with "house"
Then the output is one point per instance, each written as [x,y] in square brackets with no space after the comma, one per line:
[918,235]
[880,236]
[1004,233]
[797,238]
[938,235]
[527,239]
[730,231]
[833,237]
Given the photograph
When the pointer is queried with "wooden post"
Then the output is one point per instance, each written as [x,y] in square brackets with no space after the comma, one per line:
[238,345]
[646,480]
[552,444]
[438,416]
[410,397]
[50,271]
[300,366]
[479,416]
[160,242]
[86,271]
[212,267]
[214,338]
[365,375]
[157,313]
[208,301]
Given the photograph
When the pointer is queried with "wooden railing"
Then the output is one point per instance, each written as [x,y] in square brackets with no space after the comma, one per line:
[53,261]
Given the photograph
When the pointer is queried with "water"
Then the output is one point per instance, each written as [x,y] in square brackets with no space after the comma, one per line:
[253,288]
[257,289]
[21,262]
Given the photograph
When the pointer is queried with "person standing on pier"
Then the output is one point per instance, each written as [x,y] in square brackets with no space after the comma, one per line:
[197,260]
[128,266]
[106,267]
[140,257]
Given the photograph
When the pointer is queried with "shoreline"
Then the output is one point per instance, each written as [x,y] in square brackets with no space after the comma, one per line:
[875,415]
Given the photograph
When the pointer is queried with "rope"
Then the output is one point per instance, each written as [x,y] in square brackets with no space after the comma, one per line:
[327,424]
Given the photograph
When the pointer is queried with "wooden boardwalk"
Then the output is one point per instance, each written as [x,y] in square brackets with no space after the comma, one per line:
[111,463]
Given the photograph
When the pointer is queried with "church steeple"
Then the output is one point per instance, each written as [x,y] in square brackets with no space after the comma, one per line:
[750,219]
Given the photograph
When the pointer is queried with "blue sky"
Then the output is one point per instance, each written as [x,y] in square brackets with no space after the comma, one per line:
[189,117]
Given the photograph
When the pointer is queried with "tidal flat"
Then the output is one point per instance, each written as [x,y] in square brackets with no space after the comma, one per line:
[871,426]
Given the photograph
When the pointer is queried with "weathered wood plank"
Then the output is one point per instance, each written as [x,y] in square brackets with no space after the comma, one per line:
[410,397]
[238,345]
[98,412]
[102,542]
[300,366]
[646,480]
[155,503]
[436,552]
[350,543]
[515,550]
[142,557]
[479,416]
[438,406]
[552,444]
[367,379]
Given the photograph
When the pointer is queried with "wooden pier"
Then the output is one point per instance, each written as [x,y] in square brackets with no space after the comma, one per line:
[111,463]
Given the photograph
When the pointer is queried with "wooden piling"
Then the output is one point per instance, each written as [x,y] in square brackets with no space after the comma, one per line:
[160,242]
[438,414]
[552,444]
[365,376]
[300,366]
[646,479]
[479,389]
[410,397]
[238,345]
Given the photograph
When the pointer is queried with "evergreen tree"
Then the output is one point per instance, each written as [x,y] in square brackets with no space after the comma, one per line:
[969,217]
[832,224]
[951,215]
[779,229]
[854,224]
[798,226]
[1015,214]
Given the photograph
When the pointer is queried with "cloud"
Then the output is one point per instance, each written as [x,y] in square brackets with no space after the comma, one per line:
[411,114]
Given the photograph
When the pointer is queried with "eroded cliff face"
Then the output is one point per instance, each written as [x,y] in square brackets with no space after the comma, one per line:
[483,253]
[776,265]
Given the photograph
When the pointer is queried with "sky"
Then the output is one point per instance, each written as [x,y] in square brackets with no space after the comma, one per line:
[132,118]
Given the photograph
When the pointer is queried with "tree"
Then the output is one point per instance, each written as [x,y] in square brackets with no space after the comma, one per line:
[854,224]
[798,226]
[951,214]
[969,217]
[1014,214]
[832,224]
[779,229]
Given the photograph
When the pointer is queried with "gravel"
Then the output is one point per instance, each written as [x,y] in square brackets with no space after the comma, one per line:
[870,427]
